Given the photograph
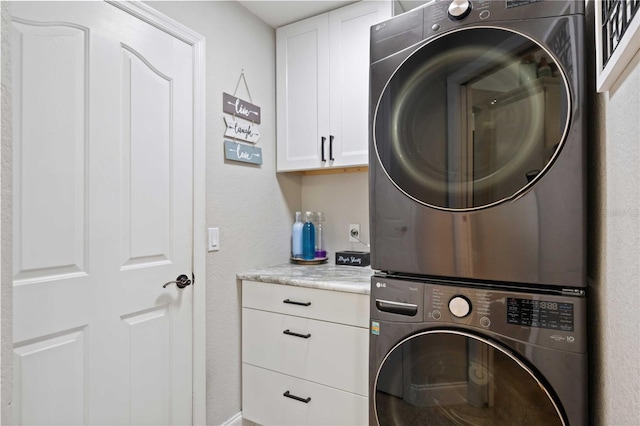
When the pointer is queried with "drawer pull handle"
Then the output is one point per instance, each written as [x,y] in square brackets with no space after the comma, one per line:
[293,302]
[297,398]
[291,333]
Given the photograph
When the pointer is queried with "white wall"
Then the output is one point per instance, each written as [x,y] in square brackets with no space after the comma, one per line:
[344,199]
[614,259]
[619,295]
[253,206]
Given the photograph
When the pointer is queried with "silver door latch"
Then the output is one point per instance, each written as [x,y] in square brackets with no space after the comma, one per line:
[181,281]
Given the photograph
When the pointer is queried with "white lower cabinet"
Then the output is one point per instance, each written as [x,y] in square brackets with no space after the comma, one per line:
[304,356]
[263,401]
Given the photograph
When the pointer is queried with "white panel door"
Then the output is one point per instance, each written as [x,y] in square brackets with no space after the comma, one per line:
[103,199]
[349,29]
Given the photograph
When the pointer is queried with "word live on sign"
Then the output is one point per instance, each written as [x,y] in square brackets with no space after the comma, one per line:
[239,108]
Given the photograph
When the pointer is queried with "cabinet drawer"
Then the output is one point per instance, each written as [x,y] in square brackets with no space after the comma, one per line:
[331,354]
[263,401]
[334,306]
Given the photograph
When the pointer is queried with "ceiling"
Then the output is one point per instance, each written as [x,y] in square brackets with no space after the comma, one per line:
[282,12]
[278,13]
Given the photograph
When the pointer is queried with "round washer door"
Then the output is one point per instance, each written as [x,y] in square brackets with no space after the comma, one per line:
[472,119]
[445,377]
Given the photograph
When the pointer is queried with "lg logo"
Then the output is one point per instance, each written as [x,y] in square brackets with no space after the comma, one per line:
[379,284]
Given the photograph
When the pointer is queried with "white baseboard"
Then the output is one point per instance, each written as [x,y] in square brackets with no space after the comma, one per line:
[237,420]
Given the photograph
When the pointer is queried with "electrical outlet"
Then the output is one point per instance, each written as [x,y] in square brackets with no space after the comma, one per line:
[354,233]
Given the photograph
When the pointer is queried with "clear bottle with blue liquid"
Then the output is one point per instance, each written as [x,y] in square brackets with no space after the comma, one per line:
[308,238]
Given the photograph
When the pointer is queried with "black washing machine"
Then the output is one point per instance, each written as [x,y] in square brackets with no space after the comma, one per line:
[477,150]
[442,354]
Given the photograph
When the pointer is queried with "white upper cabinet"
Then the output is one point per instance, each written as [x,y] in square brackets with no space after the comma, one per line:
[323,88]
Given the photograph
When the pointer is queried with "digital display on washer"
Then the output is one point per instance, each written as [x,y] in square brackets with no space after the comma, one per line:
[540,314]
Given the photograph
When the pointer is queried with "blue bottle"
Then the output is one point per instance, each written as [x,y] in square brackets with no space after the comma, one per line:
[308,238]
[296,237]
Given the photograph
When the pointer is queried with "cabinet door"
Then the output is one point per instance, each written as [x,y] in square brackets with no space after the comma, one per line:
[302,61]
[349,29]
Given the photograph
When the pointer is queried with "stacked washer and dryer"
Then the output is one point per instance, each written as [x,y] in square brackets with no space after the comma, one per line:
[478,215]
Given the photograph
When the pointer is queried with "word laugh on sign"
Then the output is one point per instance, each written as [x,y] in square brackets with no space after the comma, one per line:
[241,130]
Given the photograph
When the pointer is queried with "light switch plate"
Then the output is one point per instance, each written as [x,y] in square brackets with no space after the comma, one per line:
[214,239]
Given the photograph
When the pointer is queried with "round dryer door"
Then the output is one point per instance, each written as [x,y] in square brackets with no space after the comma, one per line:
[445,377]
[472,119]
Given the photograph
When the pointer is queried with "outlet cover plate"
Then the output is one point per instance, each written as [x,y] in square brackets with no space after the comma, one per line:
[357,228]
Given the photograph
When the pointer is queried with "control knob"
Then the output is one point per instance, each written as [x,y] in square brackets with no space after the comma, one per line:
[459,9]
[459,306]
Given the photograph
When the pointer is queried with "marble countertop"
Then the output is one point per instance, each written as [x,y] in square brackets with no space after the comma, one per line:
[328,276]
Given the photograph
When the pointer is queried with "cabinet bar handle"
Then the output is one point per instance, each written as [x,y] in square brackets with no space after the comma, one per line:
[323,139]
[297,398]
[291,333]
[293,302]
[331,148]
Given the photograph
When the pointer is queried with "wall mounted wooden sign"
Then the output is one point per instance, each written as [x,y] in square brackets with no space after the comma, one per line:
[244,153]
[239,129]
[239,108]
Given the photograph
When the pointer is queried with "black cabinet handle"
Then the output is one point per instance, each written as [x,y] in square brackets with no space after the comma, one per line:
[291,333]
[293,302]
[297,398]
[331,148]
[323,139]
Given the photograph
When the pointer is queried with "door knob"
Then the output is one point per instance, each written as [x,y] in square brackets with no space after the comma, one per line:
[181,281]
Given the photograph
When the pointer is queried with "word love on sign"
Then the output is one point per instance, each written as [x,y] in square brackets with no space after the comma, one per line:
[244,153]
[241,130]
[239,108]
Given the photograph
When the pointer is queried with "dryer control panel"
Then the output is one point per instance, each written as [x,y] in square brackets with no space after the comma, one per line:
[438,17]
[551,320]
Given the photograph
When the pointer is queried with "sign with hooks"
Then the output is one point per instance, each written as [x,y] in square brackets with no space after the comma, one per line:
[239,108]
[241,130]
[244,153]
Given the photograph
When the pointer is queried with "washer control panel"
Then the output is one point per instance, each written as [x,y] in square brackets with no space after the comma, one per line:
[552,320]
